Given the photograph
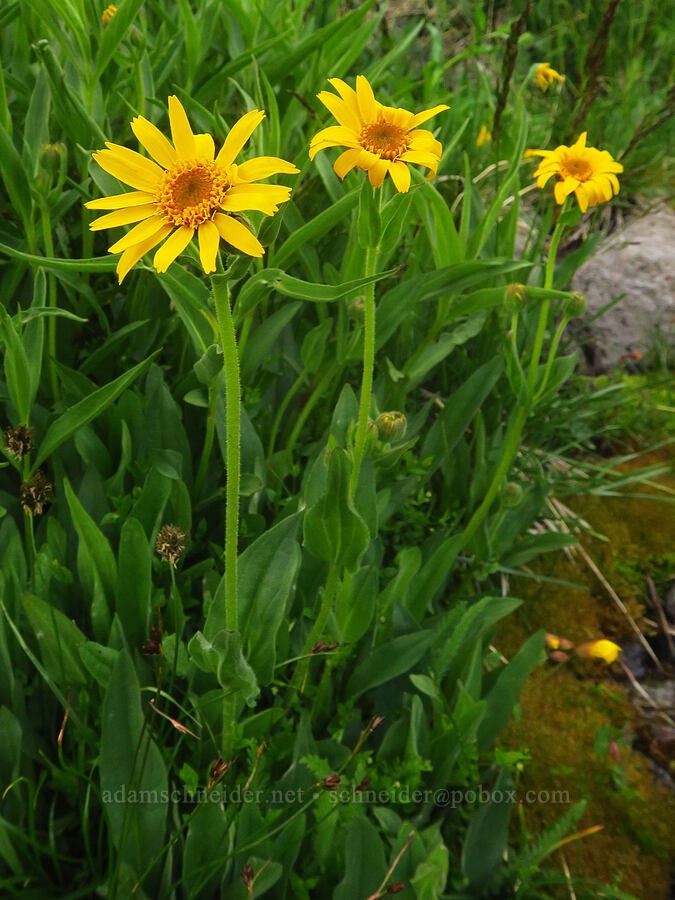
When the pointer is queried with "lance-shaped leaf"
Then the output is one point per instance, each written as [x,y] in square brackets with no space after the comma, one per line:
[332,529]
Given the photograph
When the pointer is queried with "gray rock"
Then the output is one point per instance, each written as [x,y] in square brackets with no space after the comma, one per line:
[639,263]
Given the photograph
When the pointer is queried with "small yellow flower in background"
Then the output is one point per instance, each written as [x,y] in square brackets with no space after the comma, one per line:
[108,13]
[546,76]
[602,649]
[588,173]
[484,136]
[188,189]
[379,139]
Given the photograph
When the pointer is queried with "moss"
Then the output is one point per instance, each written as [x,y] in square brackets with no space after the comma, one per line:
[566,707]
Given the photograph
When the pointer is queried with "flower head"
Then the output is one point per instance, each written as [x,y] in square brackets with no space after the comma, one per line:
[588,173]
[546,76]
[108,13]
[187,189]
[602,649]
[379,139]
[484,136]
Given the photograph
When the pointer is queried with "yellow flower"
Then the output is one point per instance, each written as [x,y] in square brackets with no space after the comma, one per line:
[484,136]
[602,649]
[108,13]
[587,172]
[546,75]
[379,139]
[187,189]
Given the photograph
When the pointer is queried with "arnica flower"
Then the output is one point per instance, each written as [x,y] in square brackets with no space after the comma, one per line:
[602,649]
[379,139]
[187,189]
[484,136]
[546,76]
[589,173]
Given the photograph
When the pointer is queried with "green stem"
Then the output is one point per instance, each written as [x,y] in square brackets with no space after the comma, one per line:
[307,409]
[518,422]
[228,339]
[368,365]
[319,625]
[208,440]
[282,410]
[51,281]
[551,356]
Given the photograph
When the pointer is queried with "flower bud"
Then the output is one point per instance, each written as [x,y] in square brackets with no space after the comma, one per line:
[602,649]
[575,306]
[108,13]
[512,495]
[357,308]
[516,295]
[170,543]
[391,426]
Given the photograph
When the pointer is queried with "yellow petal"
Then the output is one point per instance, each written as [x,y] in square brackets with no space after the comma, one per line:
[237,235]
[400,175]
[149,168]
[426,114]
[564,188]
[123,217]
[246,197]
[240,132]
[341,110]
[209,241]
[582,198]
[346,162]
[115,165]
[204,146]
[581,140]
[377,171]
[264,166]
[172,247]
[138,233]
[334,136]
[365,99]
[420,158]
[157,145]
[132,254]
[181,132]
[121,201]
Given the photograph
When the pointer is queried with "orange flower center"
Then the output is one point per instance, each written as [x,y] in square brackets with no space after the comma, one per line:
[388,141]
[577,167]
[191,192]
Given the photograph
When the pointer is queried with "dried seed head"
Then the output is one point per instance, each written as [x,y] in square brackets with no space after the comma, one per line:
[170,543]
[218,770]
[36,493]
[363,785]
[246,875]
[323,647]
[395,887]
[331,782]
[19,440]
[153,645]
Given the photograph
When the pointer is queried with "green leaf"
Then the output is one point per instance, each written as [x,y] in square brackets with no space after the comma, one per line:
[134,581]
[134,782]
[507,689]
[388,661]
[332,528]
[17,370]
[354,611]
[98,660]
[15,179]
[190,296]
[532,546]
[314,345]
[95,564]
[264,339]
[315,229]
[86,410]
[487,834]
[95,264]
[206,843]
[395,219]
[59,640]
[432,577]
[459,411]
[365,861]
[223,658]
[114,33]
